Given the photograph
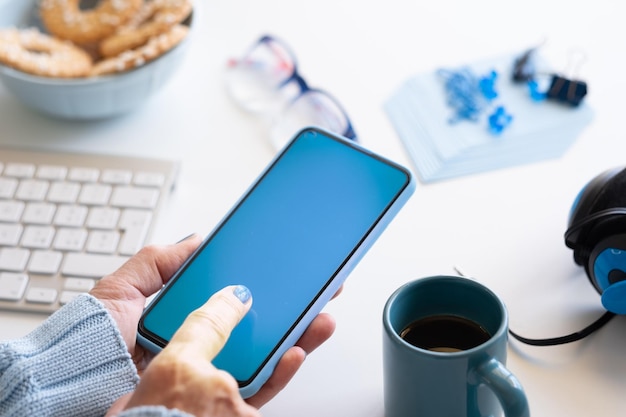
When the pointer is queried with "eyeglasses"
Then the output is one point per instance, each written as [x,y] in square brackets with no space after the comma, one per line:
[266,82]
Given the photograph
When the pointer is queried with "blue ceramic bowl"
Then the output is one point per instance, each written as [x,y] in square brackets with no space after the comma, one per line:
[85,98]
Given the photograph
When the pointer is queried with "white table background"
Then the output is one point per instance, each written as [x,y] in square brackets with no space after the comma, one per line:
[504,227]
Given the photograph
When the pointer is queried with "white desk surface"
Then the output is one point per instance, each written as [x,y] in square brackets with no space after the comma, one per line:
[504,227]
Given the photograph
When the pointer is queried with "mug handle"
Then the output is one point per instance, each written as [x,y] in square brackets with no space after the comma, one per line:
[505,386]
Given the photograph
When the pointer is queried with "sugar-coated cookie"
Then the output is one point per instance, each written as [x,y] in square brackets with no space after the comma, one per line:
[66,20]
[155,47]
[155,17]
[36,53]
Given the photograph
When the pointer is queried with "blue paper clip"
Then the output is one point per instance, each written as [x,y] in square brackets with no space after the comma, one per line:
[499,120]
[487,85]
[470,96]
[462,94]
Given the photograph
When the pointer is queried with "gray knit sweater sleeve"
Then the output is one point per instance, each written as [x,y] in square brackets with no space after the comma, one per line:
[75,364]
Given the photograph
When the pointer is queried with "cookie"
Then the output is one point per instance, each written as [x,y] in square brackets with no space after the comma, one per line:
[36,53]
[155,18]
[155,47]
[66,20]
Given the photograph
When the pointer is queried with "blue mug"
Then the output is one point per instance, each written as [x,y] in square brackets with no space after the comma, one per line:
[444,352]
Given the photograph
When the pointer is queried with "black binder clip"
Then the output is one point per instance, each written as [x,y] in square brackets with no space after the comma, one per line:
[567,91]
[562,89]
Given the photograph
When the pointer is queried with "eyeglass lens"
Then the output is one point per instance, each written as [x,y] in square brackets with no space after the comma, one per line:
[255,81]
[312,108]
[265,82]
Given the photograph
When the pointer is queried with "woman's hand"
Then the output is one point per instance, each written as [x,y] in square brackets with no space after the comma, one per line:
[182,376]
[125,291]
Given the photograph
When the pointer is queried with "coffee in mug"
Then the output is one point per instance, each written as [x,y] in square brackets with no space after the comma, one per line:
[445,333]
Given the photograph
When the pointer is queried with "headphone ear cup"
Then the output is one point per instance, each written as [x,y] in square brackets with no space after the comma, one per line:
[613,193]
[606,191]
[606,269]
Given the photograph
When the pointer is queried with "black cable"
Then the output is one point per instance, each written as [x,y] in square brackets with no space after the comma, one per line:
[573,337]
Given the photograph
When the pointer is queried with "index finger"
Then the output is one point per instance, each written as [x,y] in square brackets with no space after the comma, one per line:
[206,329]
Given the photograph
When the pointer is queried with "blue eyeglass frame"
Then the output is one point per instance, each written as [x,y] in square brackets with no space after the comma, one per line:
[304,86]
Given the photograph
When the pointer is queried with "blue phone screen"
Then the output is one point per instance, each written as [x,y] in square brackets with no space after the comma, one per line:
[285,241]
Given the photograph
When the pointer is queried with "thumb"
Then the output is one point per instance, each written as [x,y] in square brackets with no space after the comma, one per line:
[206,330]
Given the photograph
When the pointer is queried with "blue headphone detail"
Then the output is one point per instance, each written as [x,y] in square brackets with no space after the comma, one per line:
[597,234]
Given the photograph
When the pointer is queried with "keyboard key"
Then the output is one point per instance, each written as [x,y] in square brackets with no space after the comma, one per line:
[64,192]
[103,241]
[149,179]
[13,259]
[51,172]
[7,187]
[10,234]
[41,295]
[79,284]
[19,170]
[135,197]
[91,265]
[95,194]
[32,190]
[12,285]
[116,176]
[103,217]
[11,211]
[38,237]
[70,239]
[39,213]
[45,262]
[70,215]
[135,224]
[83,174]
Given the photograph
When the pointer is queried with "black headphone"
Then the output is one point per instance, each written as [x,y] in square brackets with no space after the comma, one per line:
[597,234]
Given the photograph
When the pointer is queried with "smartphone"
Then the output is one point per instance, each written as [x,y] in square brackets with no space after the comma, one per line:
[292,239]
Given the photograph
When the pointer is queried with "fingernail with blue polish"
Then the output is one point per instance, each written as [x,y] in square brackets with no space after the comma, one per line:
[243,293]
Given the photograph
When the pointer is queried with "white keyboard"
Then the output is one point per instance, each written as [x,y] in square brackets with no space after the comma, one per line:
[67,219]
